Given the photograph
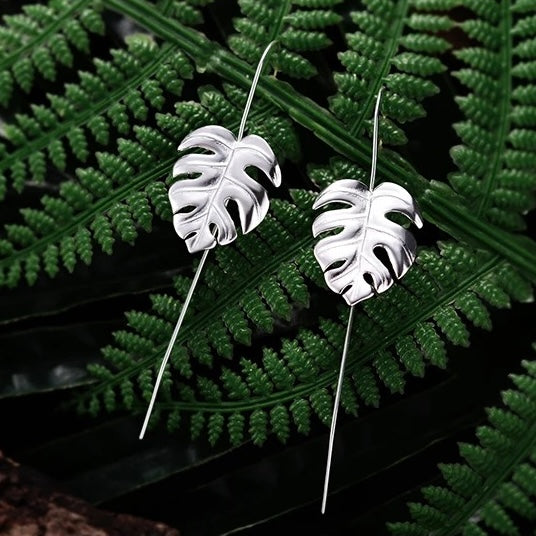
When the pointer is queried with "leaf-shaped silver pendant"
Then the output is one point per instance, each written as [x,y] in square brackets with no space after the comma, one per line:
[365,228]
[199,205]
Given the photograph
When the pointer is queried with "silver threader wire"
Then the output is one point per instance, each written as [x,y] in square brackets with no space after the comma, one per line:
[350,319]
[203,258]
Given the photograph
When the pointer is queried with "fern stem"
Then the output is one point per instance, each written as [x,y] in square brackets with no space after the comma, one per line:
[519,251]
[504,108]
[326,378]
[326,127]
[193,42]
[16,55]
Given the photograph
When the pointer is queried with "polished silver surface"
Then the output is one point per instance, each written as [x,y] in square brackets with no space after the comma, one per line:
[199,205]
[364,228]
[348,258]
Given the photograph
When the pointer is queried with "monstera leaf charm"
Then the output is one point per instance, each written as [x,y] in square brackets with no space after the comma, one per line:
[348,258]
[200,214]
[200,204]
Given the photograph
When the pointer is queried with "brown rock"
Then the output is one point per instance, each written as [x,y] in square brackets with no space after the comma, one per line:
[31,506]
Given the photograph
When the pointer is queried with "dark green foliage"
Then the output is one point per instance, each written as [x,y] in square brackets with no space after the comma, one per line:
[116,94]
[104,203]
[495,485]
[395,46]
[140,79]
[495,160]
[106,143]
[445,292]
[35,41]
[299,26]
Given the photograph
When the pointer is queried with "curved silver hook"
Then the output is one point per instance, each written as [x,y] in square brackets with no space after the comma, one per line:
[253,88]
[375,142]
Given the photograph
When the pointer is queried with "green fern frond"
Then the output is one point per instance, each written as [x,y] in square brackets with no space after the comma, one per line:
[494,487]
[438,297]
[447,211]
[41,37]
[104,203]
[300,27]
[395,46]
[496,161]
[189,12]
[117,93]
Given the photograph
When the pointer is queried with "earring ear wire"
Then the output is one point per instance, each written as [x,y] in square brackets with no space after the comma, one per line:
[214,137]
[362,275]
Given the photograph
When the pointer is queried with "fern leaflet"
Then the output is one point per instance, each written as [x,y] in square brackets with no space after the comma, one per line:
[41,37]
[493,488]
[229,311]
[496,159]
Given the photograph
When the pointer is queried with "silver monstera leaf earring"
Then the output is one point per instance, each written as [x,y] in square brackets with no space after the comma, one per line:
[199,204]
[348,259]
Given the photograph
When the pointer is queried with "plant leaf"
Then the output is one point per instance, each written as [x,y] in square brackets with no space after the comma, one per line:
[222,178]
[365,229]
[497,478]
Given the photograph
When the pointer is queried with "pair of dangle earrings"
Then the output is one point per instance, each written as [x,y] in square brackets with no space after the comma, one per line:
[348,258]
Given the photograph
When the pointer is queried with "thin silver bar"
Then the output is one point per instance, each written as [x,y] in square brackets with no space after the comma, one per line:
[336,407]
[172,341]
[252,90]
[375,141]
